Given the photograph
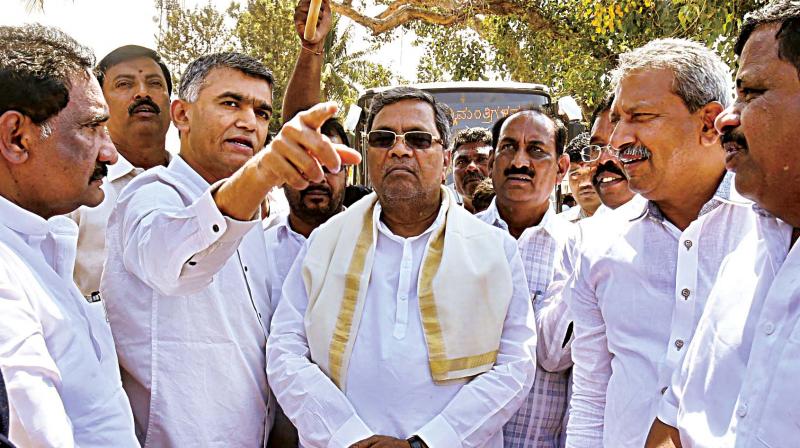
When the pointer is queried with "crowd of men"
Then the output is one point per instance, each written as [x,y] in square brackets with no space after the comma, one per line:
[158,300]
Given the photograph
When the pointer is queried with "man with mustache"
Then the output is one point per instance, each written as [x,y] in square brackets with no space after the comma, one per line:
[57,357]
[470,155]
[640,284]
[738,383]
[137,86]
[580,180]
[609,179]
[386,334]
[526,163]
[185,281]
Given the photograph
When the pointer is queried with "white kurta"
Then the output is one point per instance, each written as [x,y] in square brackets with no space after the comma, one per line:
[636,296]
[737,385]
[389,387]
[188,302]
[57,356]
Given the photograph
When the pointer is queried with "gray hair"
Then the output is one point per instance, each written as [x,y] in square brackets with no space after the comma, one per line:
[700,74]
[442,115]
[198,70]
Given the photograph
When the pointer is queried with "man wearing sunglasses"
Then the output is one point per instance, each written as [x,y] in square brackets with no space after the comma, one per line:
[470,154]
[580,180]
[526,164]
[405,321]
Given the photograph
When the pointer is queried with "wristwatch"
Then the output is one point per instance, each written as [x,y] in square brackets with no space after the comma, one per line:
[416,442]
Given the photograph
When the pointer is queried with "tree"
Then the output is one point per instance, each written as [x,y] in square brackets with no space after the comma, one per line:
[569,45]
[265,30]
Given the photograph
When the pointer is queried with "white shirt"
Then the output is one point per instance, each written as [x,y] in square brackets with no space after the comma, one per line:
[573,214]
[389,388]
[187,297]
[546,251]
[283,245]
[737,385]
[636,295]
[57,356]
[92,227]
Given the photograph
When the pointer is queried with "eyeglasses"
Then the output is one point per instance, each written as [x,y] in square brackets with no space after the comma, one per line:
[414,139]
[591,153]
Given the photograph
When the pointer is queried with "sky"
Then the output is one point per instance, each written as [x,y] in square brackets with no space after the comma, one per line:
[104,25]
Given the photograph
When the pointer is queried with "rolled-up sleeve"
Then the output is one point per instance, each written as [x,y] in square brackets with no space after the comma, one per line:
[592,361]
[481,408]
[322,414]
[174,248]
[31,376]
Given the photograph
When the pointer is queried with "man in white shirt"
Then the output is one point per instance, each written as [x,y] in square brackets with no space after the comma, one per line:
[580,176]
[184,281]
[737,384]
[608,178]
[357,353]
[57,357]
[470,156]
[527,162]
[137,86]
[309,208]
[640,284]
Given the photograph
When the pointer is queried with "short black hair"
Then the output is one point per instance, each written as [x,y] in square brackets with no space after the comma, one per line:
[547,111]
[787,14]
[332,126]
[126,53]
[575,145]
[36,66]
[442,114]
[472,135]
[603,106]
[198,70]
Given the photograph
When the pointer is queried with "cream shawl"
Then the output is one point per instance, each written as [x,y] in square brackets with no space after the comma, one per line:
[464,290]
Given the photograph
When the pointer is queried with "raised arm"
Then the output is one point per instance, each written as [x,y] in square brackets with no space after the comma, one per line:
[303,90]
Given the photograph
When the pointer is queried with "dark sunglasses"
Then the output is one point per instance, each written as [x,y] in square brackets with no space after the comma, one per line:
[414,139]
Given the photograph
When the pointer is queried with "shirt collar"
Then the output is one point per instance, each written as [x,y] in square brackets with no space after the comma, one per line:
[494,216]
[121,169]
[20,220]
[726,194]
[178,165]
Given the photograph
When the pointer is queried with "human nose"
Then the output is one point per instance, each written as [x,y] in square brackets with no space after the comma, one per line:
[622,135]
[246,119]
[400,147]
[729,118]
[108,152]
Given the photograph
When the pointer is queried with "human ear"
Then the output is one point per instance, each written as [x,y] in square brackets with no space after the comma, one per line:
[16,134]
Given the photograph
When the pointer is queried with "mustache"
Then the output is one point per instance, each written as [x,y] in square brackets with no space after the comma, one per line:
[736,137]
[473,176]
[607,167]
[316,188]
[634,152]
[512,170]
[100,171]
[144,101]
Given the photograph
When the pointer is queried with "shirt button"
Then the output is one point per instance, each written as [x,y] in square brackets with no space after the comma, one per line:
[769,328]
[245,269]
[663,390]
[687,244]
[403,297]
[685,293]
[741,411]
[192,263]
[679,344]
[215,228]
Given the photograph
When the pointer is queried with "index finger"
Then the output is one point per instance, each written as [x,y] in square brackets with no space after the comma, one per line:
[317,115]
